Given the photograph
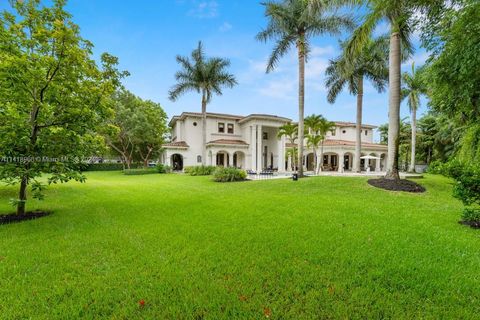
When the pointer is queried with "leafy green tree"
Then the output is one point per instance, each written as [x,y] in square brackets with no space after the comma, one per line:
[295,23]
[413,87]
[137,130]
[370,64]
[453,37]
[150,133]
[290,131]
[206,76]
[400,15]
[52,96]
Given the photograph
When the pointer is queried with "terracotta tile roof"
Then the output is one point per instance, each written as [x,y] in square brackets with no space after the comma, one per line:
[334,142]
[228,142]
[176,144]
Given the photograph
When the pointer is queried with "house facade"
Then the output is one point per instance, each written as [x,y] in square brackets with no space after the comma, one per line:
[252,143]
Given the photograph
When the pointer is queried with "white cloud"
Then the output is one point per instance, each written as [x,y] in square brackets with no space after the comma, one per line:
[315,68]
[204,9]
[320,51]
[281,88]
[225,27]
[419,59]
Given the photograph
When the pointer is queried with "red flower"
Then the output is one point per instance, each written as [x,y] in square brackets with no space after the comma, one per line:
[141,303]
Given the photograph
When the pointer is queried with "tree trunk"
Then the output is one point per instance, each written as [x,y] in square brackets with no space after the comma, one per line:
[358,140]
[301,105]
[393,107]
[414,140]
[204,128]
[22,196]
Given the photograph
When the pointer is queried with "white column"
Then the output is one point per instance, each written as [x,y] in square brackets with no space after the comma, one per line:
[341,160]
[281,154]
[377,162]
[230,159]
[214,158]
[253,146]
[259,148]
[289,163]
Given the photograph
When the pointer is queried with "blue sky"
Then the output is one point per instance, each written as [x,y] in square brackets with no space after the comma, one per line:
[146,35]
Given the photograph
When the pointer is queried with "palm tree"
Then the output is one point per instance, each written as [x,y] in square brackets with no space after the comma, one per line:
[324,127]
[290,131]
[413,87]
[294,23]
[206,76]
[312,124]
[399,13]
[313,142]
[371,64]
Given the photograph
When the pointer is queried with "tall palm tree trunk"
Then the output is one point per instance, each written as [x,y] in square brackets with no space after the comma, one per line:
[301,105]
[414,140]
[393,107]
[204,128]
[358,140]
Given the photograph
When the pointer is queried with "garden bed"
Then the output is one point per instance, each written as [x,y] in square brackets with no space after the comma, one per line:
[13,217]
[396,185]
[472,224]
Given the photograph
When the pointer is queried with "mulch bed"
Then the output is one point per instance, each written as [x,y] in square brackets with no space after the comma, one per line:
[472,224]
[13,217]
[396,185]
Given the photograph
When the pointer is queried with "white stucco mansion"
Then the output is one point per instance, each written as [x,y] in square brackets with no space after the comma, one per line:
[251,143]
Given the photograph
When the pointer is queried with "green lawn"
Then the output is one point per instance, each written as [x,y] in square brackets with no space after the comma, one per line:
[327,247]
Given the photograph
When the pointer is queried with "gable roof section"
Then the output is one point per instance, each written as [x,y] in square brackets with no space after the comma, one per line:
[227,142]
[176,145]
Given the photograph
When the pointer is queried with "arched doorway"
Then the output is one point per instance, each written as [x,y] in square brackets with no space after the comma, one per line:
[176,161]
[330,161]
[311,162]
[348,161]
[239,159]
[223,159]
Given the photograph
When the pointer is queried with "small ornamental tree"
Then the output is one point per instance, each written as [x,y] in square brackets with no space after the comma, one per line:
[52,96]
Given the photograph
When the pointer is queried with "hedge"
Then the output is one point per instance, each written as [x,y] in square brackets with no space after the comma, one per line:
[229,174]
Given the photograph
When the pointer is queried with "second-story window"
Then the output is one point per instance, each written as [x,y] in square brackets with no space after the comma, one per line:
[265,136]
[230,128]
[333,132]
[221,127]
[366,132]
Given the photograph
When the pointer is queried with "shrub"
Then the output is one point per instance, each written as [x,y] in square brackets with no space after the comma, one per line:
[162,168]
[103,167]
[467,189]
[199,170]
[136,172]
[452,169]
[229,175]
[471,215]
